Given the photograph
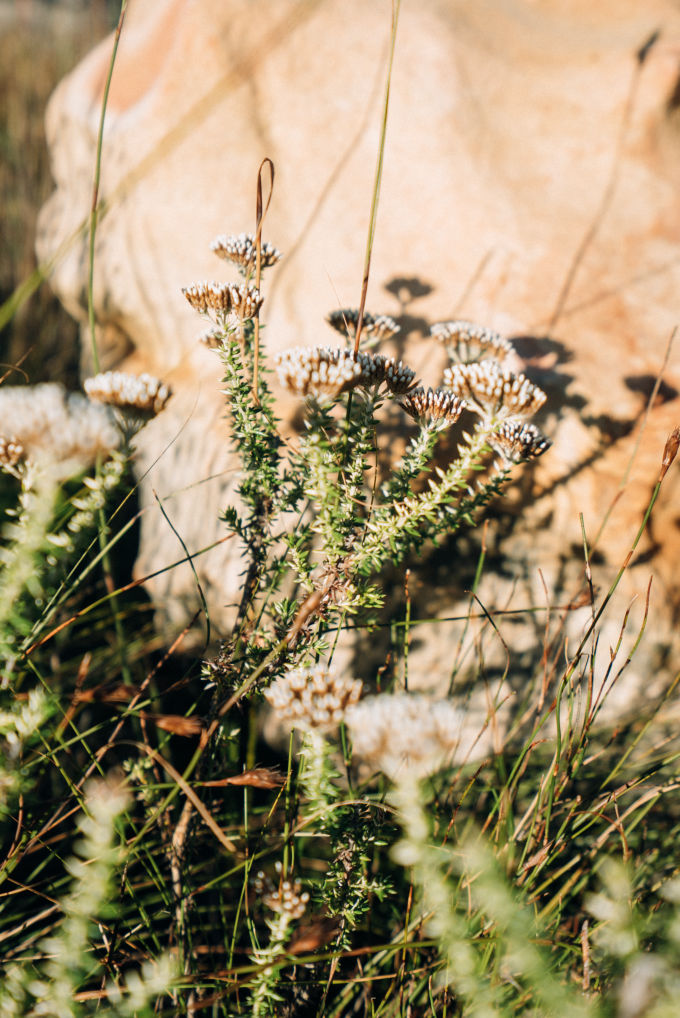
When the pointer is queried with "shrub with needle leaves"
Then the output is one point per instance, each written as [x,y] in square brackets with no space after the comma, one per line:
[318,514]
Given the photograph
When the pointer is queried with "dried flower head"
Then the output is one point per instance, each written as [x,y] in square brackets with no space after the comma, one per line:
[433,406]
[286,898]
[241,249]
[142,395]
[319,371]
[312,697]
[670,451]
[62,431]
[376,327]
[324,371]
[396,375]
[12,455]
[493,390]
[240,301]
[466,342]
[517,441]
[405,730]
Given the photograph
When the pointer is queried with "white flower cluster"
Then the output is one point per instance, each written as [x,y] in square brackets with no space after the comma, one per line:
[11,455]
[324,371]
[517,441]
[377,369]
[240,249]
[376,327]
[494,391]
[405,730]
[286,898]
[64,432]
[241,301]
[140,394]
[22,721]
[436,406]
[312,697]
[318,371]
[16,726]
[466,342]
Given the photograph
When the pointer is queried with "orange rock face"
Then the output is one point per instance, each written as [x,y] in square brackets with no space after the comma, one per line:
[531,183]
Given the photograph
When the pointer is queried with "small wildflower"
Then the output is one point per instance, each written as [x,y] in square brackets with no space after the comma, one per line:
[396,375]
[287,898]
[516,441]
[313,697]
[376,327]
[62,431]
[404,730]
[241,301]
[11,455]
[436,406]
[466,342]
[241,250]
[493,390]
[139,394]
[318,371]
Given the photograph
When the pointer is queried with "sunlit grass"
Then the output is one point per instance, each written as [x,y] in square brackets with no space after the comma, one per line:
[160,857]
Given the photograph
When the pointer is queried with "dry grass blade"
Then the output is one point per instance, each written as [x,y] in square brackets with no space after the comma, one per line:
[256,777]
[195,801]
[176,724]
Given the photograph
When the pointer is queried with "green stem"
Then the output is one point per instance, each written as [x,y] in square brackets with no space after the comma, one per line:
[396,4]
[393,521]
[95,189]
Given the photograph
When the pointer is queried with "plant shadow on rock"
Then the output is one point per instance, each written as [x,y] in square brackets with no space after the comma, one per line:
[517,535]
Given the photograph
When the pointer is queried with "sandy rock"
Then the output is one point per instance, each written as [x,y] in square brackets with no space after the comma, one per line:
[531,183]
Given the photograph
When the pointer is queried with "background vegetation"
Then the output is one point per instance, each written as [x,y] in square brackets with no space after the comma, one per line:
[160,858]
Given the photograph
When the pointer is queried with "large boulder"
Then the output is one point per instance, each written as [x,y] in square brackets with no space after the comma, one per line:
[531,183]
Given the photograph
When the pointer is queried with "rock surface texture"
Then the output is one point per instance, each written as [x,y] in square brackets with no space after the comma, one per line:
[531,183]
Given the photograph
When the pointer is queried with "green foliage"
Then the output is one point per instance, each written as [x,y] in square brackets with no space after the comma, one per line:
[539,879]
[50,987]
[481,889]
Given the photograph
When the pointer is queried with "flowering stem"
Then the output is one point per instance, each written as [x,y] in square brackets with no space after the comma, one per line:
[396,526]
[415,460]
[429,866]
[263,996]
